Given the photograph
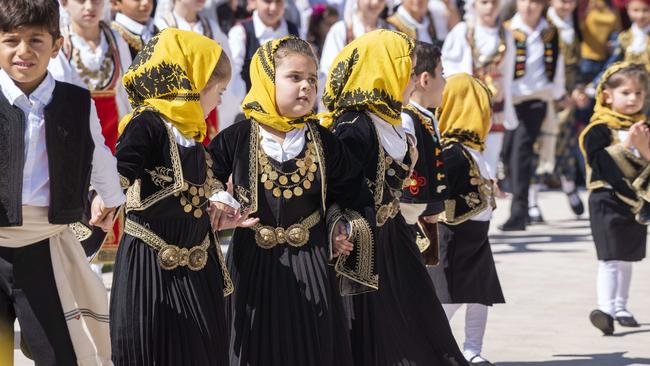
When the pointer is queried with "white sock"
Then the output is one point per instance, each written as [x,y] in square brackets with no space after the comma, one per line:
[475,323]
[568,186]
[623,281]
[533,189]
[606,286]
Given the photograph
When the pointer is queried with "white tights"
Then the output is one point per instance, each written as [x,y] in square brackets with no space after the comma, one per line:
[613,285]
[475,322]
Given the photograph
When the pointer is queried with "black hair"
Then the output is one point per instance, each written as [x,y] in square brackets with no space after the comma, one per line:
[21,13]
[428,57]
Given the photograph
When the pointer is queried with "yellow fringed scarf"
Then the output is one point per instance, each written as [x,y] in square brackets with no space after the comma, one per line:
[370,73]
[259,103]
[168,76]
[464,115]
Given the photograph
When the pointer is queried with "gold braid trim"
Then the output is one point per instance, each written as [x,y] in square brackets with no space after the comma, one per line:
[133,40]
[623,159]
[124,182]
[642,184]
[228,286]
[80,231]
[320,157]
[254,146]
[360,278]
[133,199]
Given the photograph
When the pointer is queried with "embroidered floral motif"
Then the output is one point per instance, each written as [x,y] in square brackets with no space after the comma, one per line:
[417,181]
[147,84]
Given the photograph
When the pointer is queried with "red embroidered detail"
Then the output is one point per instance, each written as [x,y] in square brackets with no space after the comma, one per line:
[417,181]
[438,163]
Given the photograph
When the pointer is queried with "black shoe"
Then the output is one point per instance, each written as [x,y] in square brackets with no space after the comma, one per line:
[478,360]
[576,203]
[643,216]
[627,321]
[602,321]
[512,225]
[535,215]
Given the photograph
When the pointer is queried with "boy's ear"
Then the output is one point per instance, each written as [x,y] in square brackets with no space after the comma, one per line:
[115,5]
[58,43]
[424,79]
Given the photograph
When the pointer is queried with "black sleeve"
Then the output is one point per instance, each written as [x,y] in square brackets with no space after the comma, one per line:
[596,139]
[136,146]
[456,165]
[222,151]
[355,132]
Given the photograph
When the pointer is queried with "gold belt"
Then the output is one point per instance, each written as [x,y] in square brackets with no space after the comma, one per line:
[387,211]
[171,256]
[296,235]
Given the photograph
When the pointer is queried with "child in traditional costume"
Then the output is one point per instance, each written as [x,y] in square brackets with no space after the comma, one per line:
[288,171]
[169,283]
[466,258]
[616,146]
[134,23]
[364,94]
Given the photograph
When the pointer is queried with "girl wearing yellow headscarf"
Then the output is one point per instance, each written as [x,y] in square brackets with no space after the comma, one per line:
[287,172]
[469,272]
[616,147]
[368,83]
[167,303]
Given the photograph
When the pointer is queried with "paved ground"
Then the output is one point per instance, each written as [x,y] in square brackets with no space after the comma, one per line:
[548,276]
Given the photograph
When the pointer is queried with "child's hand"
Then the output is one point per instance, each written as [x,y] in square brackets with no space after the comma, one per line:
[340,239]
[432,219]
[639,136]
[101,216]
[565,103]
[498,193]
[580,98]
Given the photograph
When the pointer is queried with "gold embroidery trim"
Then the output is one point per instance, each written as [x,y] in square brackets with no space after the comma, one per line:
[171,256]
[134,41]
[124,182]
[254,145]
[296,235]
[228,286]
[320,157]
[80,231]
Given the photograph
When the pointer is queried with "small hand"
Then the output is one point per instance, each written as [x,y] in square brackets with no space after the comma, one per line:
[218,209]
[498,193]
[430,219]
[340,238]
[101,216]
[239,219]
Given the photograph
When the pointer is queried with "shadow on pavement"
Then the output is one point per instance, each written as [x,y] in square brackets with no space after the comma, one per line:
[602,359]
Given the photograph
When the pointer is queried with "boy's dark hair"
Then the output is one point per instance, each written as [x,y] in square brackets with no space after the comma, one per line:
[428,57]
[635,72]
[39,13]
[222,71]
[294,45]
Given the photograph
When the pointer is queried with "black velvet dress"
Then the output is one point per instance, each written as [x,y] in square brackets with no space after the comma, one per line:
[159,316]
[403,322]
[286,308]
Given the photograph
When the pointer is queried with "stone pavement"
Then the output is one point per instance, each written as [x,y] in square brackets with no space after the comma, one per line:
[548,274]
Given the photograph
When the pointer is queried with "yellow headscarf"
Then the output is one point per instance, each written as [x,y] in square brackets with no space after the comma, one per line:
[168,75]
[603,113]
[370,73]
[464,115]
[259,103]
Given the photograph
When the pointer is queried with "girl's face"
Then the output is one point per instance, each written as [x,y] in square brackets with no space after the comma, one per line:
[530,11]
[417,8]
[210,96]
[487,11]
[371,8]
[639,13]
[295,85]
[564,8]
[191,5]
[138,10]
[85,13]
[413,80]
[270,11]
[626,98]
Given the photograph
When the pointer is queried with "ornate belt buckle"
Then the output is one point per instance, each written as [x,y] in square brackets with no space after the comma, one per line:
[169,257]
[197,258]
[382,214]
[297,235]
[266,237]
[394,208]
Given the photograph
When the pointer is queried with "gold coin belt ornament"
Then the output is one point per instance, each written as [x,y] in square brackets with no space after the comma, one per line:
[193,197]
[293,183]
[296,235]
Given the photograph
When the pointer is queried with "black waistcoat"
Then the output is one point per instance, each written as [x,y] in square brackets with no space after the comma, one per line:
[69,151]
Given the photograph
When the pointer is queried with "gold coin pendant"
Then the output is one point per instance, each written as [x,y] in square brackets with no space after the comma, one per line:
[287,194]
[283,179]
[277,192]
[297,191]
[268,184]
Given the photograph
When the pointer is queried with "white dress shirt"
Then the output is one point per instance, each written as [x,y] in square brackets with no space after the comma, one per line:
[145,31]
[392,138]
[409,125]
[36,178]
[639,39]
[534,81]
[237,41]
[231,105]
[565,26]
[457,58]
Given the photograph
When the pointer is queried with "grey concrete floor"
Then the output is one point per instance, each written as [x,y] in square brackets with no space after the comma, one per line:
[548,274]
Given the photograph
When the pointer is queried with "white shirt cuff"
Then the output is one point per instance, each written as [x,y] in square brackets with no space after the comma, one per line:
[225,198]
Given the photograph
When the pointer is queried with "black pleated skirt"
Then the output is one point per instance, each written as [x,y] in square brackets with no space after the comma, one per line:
[286,309]
[403,322]
[167,317]
[470,276]
[616,233]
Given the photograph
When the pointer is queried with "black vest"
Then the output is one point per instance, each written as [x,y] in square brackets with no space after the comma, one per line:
[429,179]
[252,44]
[69,152]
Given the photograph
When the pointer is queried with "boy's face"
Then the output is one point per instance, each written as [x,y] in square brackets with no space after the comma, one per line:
[564,8]
[270,11]
[25,53]
[432,87]
[530,11]
[84,13]
[296,82]
[138,10]
[487,10]
[626,98]
[417,8]
[371,7]
[193,5]
[412,83]
[210,96]
[639,13]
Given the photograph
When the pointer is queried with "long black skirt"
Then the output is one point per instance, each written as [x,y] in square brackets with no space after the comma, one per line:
[470,276]
[167,317]
[403,322]
[616,233]
[286,309]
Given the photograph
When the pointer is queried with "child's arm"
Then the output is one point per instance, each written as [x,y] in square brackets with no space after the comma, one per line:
[104,176]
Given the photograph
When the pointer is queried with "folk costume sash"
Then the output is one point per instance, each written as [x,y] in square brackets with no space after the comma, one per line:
[365,76]
[168,75]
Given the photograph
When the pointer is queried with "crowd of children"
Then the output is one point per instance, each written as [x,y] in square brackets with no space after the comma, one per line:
[168,124]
